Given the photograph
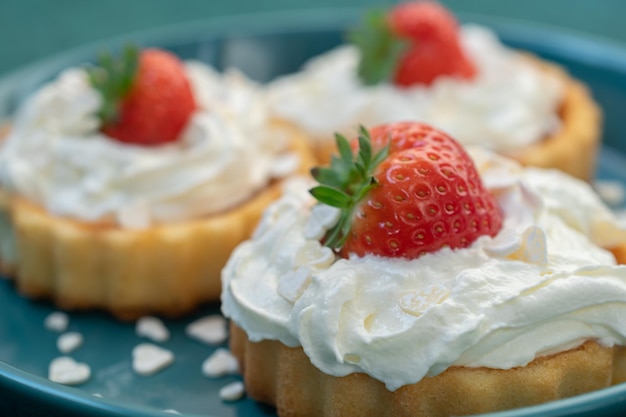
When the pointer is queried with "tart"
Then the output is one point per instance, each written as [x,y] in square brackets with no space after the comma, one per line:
[121,215]
[448,288]
[466,83]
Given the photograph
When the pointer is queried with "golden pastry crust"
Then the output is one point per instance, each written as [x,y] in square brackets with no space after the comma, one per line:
[7,264]
[284,377]
[572,149]
[166,269]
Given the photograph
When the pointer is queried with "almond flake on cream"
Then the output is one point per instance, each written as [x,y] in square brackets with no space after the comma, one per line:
[504,244]
[534,247]
[284,165]
[292,284]
[322,218]
[312,253]
[417,302]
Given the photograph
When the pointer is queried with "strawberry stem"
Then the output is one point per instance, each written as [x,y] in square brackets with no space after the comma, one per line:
[379,47]
[346,182]
[113,77]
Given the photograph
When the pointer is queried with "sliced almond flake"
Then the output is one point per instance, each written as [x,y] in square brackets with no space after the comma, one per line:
[611,191]
[67,371]
[312,253]
[209,329]
[534,246]
[417,302]
[284,165]
[69,342]
[57,321]
[233,391]
[152,328]
[220,363]
[322,218]
[149,359]
[292,284]
[504,244]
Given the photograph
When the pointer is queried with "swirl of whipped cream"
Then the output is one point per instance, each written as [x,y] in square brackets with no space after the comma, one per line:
[542,285]
[511,103]
[55,155]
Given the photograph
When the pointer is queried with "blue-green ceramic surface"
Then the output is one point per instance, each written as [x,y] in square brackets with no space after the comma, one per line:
[264,46]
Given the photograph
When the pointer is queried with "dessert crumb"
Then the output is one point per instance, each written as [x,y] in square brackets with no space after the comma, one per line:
[57,321]
[67,371]
[69,342]
[152,328]
[233,391]
[210,329]
[149,359]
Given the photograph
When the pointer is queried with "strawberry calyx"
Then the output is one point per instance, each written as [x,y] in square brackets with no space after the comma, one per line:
[413,43]
[379,47]
[113,78]
[346,182]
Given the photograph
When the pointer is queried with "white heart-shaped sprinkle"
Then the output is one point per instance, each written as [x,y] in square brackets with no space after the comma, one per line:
[209,329]
[220,363]
[57,322]
[67,371]
[149,359]
[232,391]
[68,342]
[152,328]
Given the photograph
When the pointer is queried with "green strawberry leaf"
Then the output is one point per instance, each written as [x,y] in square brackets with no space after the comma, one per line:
[346,183]
[380,49]
[113,78]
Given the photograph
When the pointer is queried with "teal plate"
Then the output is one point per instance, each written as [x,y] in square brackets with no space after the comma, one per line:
[263,46]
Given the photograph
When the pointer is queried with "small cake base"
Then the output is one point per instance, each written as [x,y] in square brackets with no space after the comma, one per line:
[284,377]
[572,149]
[165,269]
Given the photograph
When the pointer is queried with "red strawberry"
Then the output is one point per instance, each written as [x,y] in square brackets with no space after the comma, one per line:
[418,194]
[414,44]
[147,96]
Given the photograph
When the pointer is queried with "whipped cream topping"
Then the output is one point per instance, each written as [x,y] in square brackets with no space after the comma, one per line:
[55,155]
[542,285]
[511,103]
